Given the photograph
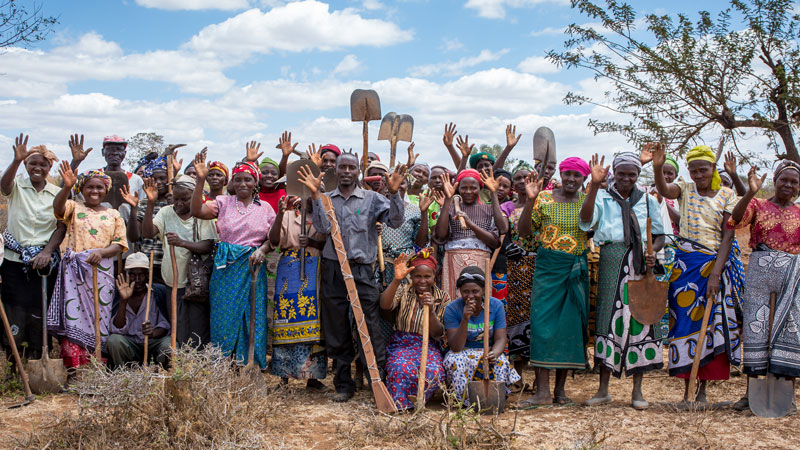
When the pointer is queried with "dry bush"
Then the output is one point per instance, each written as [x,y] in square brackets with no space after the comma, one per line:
[202,403]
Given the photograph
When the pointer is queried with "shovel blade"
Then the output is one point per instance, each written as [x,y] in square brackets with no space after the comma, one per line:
[46,375]
[405,130]
[387,124]
[365,105]
[293,185]
[647,299]
[494,403]
[771,397]
[544,145]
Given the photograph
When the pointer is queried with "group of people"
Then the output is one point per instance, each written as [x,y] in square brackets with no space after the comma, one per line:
[426,246]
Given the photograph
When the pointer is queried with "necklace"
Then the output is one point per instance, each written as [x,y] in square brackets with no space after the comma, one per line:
[246,211]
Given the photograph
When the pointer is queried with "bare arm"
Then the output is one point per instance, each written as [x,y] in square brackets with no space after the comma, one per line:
[197,208]
[668,190]
[449,135]
[511,141]
[754,185]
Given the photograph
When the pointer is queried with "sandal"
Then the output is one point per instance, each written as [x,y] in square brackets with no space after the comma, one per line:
[563,400]
[527,405]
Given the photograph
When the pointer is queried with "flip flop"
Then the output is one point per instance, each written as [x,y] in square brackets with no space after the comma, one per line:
[527,405]
[561,400]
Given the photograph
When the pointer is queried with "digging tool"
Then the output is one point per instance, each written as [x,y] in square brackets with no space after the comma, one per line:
[297,189]
[769,396]
[544,148]
[490,396]
[98,350]
[395,127]
[45,374]
[29,397]
[251,370]
[146,360]
[173,301]
[457,206]
[647,297]
[382,397]
[701,342]
[381,261]
[365,105]
[423,360]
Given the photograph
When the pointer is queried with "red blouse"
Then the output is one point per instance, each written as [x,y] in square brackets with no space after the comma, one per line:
[769,224]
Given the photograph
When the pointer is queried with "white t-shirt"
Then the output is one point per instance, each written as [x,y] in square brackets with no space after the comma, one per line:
[168,222]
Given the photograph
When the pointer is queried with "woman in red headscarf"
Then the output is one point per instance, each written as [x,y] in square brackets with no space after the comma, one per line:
[405,301]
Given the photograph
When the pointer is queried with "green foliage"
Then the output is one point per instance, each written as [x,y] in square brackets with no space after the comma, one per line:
[511,164]
[677,78]
[23,26]
[140,145]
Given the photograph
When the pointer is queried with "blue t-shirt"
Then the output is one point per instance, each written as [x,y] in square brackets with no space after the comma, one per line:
[497,320]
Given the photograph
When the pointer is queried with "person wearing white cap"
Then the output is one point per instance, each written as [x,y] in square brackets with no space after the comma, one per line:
[129,324]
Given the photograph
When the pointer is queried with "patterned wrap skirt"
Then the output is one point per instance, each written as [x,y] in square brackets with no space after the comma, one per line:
[467,365]
[518,307]
[403,355]
[455,261]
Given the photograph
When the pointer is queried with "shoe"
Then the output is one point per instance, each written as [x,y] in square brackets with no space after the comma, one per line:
[316,386]
[341,397]
[742,405]
[596,401]
[640,405]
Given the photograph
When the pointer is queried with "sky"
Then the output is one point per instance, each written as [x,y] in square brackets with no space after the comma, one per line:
[219,73]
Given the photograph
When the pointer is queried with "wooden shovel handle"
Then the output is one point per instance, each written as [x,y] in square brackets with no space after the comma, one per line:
[17,358]
[701,343]
[173,300]
[98,351]
[423,360]
[146,359]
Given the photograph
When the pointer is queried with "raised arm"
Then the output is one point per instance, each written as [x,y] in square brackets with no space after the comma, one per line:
[443,222]
[511,141]
[69,180]
[287,148]
[275,231]
[319,218]
[730,169]
[599,174]
[78,154]
[148,229]
[532,189]
[668,190]
[396,204]
[466,150]
[425,201]
[500,219]
[20,153]
[449,135]
[197,208]
[754,184]
[401,270]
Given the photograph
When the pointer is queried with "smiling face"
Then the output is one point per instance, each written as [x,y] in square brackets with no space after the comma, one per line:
[701,173]
[503,189]
[216,180]
[94,191]
[571,181]
[483,165]
[519,180]
[38,167]
[243,185]
[423,278]
[469,188]
[472,293]
[328,160]
[787,186]
[669,173]
[421,174]
[114,154]
[625,178]
[347,170]
[269,175]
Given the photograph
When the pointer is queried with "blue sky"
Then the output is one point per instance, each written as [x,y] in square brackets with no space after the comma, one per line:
[218,73]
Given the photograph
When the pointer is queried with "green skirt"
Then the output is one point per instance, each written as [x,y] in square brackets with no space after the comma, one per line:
[559,310]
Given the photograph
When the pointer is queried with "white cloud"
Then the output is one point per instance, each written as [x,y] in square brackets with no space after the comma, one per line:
[372,5]
[194,4]
[449,45]
[299,26]
[537,64]
[496,9]
[456,67]
[348,65]
[548,31]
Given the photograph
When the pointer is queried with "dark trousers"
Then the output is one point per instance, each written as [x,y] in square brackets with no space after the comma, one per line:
[22,297]
[193,322]
[335,312]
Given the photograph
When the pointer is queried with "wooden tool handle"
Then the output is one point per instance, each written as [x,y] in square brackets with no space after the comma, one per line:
[457,208]
[701,342]
[649,236]
[365,133]
[303,218]
[98,351]
[251,347]
[174,300]
[146,359]
[773,300]
[392,151]
[24,375]
[170,171]
[423,360]
[381,262]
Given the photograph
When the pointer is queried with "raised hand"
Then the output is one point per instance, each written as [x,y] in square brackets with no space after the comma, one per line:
[753,182]
[464,146]
[129,198]
[646,156]
[438,196]
[150,189]
[124,286]
[533,186]
[20,148]
[412,157]
[200,165]
[426,199]
[730,163]
[285,144]
[511,137]
[252,151]
[599,172]
[401,269]
[488,179]
[448,189]
[76,147]
[283,205]
[659,152]
[394,181]
[176,163]
[67,175]
[310,181]
[449,134]
[313,154]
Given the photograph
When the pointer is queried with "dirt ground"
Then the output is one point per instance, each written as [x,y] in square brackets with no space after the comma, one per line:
[315,422]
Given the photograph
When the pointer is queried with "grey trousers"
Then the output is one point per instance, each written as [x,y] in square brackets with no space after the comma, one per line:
[123,350]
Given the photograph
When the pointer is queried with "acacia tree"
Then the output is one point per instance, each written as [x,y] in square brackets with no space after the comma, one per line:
[731,73]
[142,144]
[19,25]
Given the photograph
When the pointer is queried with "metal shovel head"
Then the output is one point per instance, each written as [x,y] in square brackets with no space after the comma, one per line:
[46,375]
[365,105]
[647,299]
[293,185]
[544,145]
[405,129]
[495,403]
[770,397]
[399,126]
[386,130]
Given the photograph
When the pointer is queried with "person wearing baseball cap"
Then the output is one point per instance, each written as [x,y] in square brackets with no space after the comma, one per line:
[329,154]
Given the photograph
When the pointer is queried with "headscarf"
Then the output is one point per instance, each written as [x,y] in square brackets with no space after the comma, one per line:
[376,165]
[473,160]
[185,182]
[250,168]
[576,164]
[420,164]
[152,165]
[503,173]
[330,148]
[471,274]
[784,165]
[216,165]
[88,175]
[469,173]
[269,162]
[114,139]
[725,176]
[704,153]
[629,158]
[46,154]
[671,161]
[424,257]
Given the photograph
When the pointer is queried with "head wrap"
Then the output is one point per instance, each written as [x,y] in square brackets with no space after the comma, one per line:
[216,165]
[421,164]
[473,160]
[329,148]
[250,168]
[137,260]
[114,139]
[704,153]
[503,173]
[184,181]
[471,274]
[269,162]
[424,257]
[671,161]
[46,154]
[627,158]
[88,175]
[152,165]
[469,173]
[576,164]
[725,176]
[377,165]
[784,165]
[444,169]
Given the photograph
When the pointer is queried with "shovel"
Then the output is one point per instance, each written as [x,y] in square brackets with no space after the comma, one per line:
[365,105]
[251,370]
[45,374]
[647,298]
[395,127]
[544,148]
[770,397]
[146,360]
[490,396]
[297,189]
[22,373]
